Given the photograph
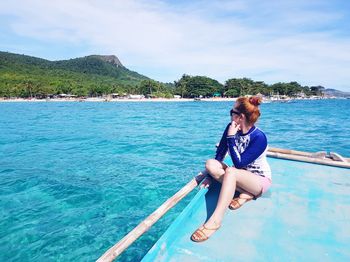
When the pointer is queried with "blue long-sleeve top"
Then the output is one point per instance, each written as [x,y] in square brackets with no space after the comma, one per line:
[244,148]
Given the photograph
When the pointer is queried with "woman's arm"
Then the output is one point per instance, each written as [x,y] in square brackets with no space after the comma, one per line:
[222,148]
[256,147]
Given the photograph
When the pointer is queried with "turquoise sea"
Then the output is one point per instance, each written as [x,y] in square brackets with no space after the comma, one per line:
[76,177]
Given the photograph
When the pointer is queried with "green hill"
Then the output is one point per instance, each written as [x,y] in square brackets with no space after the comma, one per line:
[24,76]
[95,75]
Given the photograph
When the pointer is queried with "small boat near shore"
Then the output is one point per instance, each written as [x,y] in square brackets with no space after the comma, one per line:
[304,216]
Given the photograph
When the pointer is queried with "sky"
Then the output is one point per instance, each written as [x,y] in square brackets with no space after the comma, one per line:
[272,41]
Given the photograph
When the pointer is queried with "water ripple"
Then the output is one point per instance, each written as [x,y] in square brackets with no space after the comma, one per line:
[76,177]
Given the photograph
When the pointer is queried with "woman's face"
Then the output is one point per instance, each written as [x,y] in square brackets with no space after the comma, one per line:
[235,114]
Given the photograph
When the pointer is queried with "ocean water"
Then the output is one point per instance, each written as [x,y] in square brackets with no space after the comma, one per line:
[76,177]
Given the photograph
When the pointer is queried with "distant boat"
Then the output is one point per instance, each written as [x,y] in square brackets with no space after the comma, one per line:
[304,216]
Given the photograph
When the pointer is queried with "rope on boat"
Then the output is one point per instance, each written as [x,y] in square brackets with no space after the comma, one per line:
[145,225]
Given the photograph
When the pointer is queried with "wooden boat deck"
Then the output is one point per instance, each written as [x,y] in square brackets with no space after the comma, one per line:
[304,217]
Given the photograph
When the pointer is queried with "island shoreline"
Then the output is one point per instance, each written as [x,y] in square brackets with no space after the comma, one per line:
[120,100]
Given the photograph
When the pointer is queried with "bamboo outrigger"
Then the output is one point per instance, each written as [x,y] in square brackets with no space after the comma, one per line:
[145,225]
[322,158]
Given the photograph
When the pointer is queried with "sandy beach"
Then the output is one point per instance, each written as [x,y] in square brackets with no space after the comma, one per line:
[92,99]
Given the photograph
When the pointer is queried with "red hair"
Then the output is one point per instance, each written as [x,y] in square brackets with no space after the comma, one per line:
[249,106]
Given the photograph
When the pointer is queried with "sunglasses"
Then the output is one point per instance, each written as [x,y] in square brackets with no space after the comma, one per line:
[234,111]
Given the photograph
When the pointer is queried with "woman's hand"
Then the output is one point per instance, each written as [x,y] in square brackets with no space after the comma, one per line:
[200,177]
[206,182]
[204,178]
[233,129]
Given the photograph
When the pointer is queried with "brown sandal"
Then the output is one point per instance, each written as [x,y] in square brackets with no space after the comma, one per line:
[199,235]
[235,204]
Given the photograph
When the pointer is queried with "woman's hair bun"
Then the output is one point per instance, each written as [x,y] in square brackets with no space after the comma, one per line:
[255,100]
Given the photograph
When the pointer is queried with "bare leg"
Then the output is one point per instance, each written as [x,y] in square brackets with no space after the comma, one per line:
[227,189]
[248,182]
[226,193]
[246,195]
[232,177]
[237,202]
[216,169]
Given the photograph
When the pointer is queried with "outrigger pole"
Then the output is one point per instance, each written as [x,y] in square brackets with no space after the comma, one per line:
[321,158]
[145,225]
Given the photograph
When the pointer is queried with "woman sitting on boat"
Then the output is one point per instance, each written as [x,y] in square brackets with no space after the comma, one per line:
[250,174]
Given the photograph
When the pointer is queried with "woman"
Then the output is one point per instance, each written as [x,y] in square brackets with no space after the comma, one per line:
[250,174]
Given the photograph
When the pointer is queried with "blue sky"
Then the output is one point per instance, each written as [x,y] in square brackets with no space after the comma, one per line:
[271,41]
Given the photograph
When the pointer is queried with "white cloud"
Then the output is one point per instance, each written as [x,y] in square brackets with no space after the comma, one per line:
[264,40]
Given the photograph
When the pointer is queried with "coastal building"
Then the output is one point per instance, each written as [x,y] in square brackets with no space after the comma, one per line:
[66,96]
[136,96]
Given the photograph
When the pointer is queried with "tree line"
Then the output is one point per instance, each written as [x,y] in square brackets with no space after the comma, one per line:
[189,86]
[25,76]
[186,87]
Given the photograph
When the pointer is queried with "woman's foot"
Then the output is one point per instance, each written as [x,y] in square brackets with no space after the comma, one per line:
[204,232]
[237,202]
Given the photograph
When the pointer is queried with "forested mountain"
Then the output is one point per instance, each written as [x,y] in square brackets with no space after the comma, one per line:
[95,75]
[22,75]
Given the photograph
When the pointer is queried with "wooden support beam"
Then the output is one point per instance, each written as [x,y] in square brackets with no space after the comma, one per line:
[145,225]
[307,157]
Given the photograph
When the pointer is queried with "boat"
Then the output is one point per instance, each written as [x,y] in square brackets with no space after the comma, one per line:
[305,216]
